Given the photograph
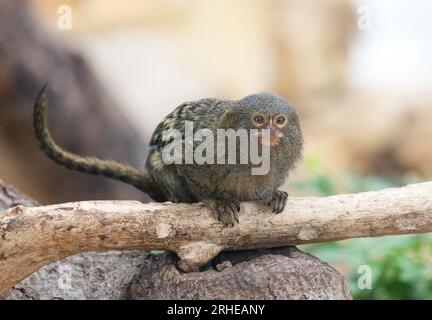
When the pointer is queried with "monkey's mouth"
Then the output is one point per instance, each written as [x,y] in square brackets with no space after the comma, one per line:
[269,137]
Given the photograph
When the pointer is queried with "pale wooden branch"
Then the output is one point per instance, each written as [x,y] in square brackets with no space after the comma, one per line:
[31,237]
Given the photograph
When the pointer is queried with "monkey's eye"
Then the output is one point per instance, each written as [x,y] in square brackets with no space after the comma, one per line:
[280,120]
[259,119]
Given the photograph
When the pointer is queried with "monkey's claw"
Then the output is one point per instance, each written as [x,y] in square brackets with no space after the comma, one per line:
[227,212]
[277,203]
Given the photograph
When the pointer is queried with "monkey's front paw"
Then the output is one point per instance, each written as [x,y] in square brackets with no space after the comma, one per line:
[227,212]
[277,203]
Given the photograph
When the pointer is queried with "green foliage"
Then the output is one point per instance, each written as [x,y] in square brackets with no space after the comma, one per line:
[401,266]
[319,183]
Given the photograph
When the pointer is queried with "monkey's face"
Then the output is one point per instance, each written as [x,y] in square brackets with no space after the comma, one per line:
[274,123]
[272,112]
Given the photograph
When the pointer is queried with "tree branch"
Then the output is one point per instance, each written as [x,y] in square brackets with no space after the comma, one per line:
[31,237]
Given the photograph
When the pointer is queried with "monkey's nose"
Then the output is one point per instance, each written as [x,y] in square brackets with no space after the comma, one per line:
[275,132]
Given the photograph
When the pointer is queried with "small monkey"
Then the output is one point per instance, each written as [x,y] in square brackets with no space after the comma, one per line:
[221,186]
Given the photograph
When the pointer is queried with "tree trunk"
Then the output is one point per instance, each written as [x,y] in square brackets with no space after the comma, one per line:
[84,118]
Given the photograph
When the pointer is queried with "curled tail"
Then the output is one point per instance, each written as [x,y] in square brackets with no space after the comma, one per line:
[106,168]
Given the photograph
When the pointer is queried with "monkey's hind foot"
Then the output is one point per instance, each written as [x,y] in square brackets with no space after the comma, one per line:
[278,202]
[226,211]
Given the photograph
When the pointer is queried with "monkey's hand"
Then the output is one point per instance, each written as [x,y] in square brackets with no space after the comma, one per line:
[277,203]
[226,211]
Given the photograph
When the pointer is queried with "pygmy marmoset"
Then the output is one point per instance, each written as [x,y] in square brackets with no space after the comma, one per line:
[220,185]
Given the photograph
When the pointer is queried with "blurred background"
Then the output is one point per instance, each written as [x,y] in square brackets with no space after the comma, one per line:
[359,73]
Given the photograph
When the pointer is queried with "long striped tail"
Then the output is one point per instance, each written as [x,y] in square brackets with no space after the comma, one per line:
[89,165]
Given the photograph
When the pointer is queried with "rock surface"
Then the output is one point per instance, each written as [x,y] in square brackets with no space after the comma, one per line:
[284,273]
